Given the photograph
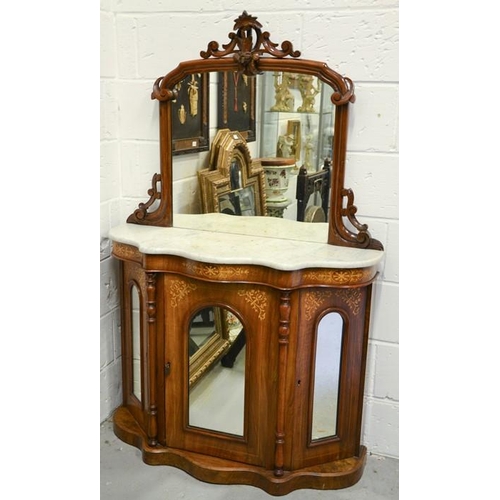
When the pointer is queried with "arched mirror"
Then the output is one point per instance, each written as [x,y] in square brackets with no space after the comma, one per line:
[217,392]
[326,379]
[136,341]
[282,105]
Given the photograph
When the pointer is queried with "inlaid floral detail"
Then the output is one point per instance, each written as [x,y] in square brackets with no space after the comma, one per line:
[339,276]
[126,252]
[257,300]
[216,272]
[179,290]
[352,297]
[314,300]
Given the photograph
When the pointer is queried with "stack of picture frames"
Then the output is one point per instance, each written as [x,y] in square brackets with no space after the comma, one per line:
[233,183]
[190,110]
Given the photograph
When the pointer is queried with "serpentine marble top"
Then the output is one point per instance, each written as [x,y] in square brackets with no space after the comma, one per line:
[218,238]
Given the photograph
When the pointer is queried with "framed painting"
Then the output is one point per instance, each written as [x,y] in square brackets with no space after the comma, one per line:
[190,116]
[236,103]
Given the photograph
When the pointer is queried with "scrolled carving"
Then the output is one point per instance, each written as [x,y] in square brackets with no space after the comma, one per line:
[339,98]
[162,93]
[246,52]
[363,236]
[142,211]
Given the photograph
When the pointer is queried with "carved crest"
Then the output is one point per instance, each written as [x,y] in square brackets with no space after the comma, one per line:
[247,48]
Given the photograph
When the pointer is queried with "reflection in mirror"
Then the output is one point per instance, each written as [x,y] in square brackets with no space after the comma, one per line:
[217,393]
[240,202]
[136,342]
[278,114]
[297,119]
[235,179]
[326,376]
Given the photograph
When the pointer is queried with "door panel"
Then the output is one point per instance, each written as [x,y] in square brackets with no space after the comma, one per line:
[328,364]
[250,387]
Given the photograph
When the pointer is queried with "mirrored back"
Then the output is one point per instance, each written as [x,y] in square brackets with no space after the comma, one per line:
[283,106]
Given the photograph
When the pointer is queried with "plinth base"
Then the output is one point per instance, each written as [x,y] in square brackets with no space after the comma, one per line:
[328,476]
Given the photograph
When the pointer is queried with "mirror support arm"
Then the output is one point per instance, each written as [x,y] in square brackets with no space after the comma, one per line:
[338,233]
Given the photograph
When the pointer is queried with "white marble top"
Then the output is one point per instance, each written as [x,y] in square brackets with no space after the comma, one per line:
[226,239]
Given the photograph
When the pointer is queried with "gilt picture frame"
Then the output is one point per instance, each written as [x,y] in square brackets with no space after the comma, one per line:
[233,183]
[203,357]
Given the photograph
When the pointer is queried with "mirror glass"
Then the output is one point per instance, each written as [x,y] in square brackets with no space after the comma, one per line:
[238,202]
[279,114]
[217,389]
[136,342]
[327,376]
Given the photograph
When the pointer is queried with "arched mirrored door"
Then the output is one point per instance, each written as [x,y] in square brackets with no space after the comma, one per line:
[136,342]
[217,398]
[327,360]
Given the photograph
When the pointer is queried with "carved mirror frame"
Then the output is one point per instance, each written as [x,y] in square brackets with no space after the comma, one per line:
[250,51]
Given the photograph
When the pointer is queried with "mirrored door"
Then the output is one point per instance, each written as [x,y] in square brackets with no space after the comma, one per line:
[210,404]
[216,392]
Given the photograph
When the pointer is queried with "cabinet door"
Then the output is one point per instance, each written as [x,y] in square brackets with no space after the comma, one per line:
[222,411]
[331,358]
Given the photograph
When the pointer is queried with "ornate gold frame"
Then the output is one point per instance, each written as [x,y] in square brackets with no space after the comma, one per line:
[208,354]
[229,153]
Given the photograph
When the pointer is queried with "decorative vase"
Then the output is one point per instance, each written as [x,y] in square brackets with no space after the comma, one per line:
[277,176]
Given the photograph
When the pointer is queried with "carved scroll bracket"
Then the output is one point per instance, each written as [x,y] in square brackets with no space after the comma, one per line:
[363,236]
[245,48]
[141,213]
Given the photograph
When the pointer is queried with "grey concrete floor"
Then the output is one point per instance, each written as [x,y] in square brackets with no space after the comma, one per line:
[124,476]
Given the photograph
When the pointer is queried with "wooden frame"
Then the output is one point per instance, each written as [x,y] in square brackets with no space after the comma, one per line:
[190,116]
[236,103]
[233,183]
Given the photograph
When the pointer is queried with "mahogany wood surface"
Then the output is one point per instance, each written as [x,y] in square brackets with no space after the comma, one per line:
[280,312]
[327,476]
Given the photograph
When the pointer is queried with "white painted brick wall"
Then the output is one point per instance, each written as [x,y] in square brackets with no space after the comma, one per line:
[358,38]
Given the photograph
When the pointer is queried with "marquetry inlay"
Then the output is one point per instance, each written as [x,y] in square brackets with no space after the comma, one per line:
[352,297]
[179,290]
[314,299]
[339,276]
[140,279]
[216,272]
[257,300]
[126,252]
